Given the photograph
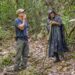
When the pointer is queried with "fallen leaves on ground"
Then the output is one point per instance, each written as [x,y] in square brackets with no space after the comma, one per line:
[40,64]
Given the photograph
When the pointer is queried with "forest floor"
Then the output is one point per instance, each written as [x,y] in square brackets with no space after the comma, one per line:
[39,63]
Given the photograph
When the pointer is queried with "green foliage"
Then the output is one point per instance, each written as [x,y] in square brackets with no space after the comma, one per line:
[5,61]
[36,11]
[73,55]
[4,34]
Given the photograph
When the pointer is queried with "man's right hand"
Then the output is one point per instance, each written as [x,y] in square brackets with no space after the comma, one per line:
[24,17]
[22,26]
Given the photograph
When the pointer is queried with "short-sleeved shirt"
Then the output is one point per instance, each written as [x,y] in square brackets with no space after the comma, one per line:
[22,34]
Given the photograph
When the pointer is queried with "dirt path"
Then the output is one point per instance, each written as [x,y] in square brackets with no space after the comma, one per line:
[44,65]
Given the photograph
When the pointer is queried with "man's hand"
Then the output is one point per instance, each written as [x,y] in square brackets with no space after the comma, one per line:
[22,26]
[24,17]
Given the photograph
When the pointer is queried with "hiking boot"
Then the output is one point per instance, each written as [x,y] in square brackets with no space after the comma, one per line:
[56,61]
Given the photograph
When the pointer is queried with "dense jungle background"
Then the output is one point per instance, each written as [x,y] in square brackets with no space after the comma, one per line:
[37,14]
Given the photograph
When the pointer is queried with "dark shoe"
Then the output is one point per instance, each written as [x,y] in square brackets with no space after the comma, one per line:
[22,68]
[62,57]
[16,70]
[56,61]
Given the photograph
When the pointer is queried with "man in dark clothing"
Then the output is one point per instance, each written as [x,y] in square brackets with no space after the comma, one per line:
[21,27]
[22,47]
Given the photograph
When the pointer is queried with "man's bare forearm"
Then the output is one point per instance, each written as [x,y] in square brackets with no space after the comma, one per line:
[22,26]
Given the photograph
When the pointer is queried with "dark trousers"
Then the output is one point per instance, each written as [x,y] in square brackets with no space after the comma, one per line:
[22,53]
